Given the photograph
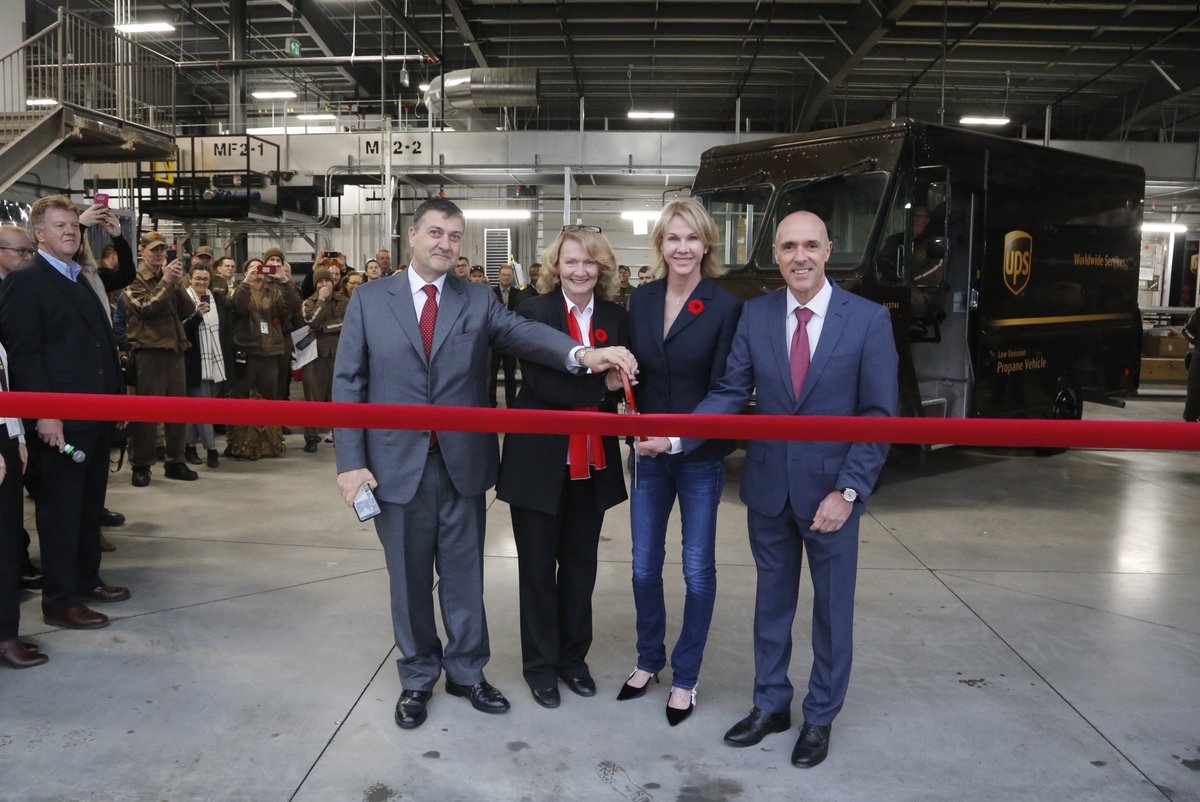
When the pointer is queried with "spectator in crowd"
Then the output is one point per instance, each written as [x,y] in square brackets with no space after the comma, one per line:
[64,347]
[477,276]
[682,329]
[156,304]
[289,322]
[209,358]
[259,307]
[373,270]
[644,275]
[351,281]
[202,257]
[222,277]
[509,297]
[535,270]
[624,290]
[462,267]
[558,486]
[384,258]
[323,313]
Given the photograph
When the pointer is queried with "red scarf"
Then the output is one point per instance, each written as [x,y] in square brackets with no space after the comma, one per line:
[583,449]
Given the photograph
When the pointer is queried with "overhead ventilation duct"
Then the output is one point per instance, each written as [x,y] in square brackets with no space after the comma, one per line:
[469,93]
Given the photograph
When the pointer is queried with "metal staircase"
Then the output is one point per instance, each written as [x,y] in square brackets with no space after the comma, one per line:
[84,92]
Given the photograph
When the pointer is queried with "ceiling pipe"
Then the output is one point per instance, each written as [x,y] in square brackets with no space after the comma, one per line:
[282,62]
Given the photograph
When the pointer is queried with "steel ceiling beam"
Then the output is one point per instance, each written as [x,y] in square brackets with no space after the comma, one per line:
[332,42]
[409,26]
[464,31]
[863,30]
[1156,95]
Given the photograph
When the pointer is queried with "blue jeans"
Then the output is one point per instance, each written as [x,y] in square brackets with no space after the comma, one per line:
[698,486]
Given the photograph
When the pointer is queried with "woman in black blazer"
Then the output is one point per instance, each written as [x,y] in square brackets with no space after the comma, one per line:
[682,329]
[559,486]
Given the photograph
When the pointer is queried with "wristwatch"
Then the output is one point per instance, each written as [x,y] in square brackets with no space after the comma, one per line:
[581,353]
[849,494]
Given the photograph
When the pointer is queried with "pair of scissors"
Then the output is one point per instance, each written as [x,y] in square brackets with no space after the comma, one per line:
[630,408]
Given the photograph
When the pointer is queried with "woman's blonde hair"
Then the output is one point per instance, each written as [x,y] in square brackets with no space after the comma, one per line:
[699,220]
[596,246]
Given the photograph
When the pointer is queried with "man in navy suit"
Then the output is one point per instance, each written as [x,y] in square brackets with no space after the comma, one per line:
[59,340]
[809,349]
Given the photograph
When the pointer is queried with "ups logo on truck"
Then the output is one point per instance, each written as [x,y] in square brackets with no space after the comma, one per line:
[1018,259]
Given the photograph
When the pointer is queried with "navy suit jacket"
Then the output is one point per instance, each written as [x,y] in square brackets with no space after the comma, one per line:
[853,373]
[57,336]
[676,372]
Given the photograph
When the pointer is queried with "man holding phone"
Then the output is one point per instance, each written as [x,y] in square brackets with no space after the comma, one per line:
[156,304]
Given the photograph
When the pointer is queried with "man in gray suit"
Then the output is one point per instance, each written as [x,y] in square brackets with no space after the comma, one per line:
[422,337]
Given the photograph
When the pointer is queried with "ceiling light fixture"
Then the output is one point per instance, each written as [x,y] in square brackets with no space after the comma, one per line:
[423,87]
[325,116]
[970,120]
[1164,228]
[273,94]
[651,115]
[496,214]
[41,101]
[145,27]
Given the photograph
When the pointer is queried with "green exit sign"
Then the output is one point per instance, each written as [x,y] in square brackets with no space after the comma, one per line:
[293,47]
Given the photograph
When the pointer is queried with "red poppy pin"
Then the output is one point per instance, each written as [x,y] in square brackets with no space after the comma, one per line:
[696,306]
[600,335]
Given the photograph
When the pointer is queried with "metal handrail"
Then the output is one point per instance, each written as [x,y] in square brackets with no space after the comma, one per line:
[74,62]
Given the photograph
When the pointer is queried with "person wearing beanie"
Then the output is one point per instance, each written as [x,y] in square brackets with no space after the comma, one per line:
[323,312]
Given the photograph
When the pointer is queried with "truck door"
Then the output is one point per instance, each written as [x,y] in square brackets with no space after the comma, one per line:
[930,283]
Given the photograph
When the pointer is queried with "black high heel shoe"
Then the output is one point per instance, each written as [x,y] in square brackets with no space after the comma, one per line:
[632,691]
[676,715]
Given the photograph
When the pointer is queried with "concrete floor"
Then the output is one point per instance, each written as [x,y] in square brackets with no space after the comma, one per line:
[1027,629]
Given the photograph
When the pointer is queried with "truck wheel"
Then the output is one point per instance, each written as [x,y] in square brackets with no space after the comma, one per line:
[1066,407]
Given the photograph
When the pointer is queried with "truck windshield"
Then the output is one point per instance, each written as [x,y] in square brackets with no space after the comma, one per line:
[739,212]
[849,205]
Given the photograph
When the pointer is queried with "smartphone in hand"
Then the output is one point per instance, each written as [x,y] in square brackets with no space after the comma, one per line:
[100,199]
[365,505]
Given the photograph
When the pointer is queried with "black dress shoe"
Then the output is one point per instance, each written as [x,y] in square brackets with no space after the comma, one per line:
[632,691]
[310,446]
[677,715]
[214,459]
[756,726]
[30,576]
[110,518]
[484,697]
[177,470]
[581,686]
[412,709]
[104,594]
[812,746]
[141,476]
[189,454]
[546,697]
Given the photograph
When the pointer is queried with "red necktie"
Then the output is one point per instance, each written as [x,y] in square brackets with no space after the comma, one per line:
[428,319]
[800,357]
[583,449]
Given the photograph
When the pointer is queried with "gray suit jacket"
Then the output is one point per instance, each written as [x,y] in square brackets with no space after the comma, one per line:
[381,360]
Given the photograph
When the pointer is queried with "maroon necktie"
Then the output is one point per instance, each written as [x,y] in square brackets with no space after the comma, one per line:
[800,357]
[428,319]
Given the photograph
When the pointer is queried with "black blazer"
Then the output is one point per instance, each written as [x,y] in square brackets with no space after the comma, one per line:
[533,468]
[57,336]
[515,296]
[676,372]
[191,327]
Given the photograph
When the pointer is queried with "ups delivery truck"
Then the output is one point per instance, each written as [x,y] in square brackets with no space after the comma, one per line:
[1010,268]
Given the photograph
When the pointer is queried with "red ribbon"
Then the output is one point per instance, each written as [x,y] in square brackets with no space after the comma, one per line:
[1141,435]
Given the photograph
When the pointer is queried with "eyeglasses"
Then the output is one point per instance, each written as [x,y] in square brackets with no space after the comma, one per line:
[22,251]
[577,228]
